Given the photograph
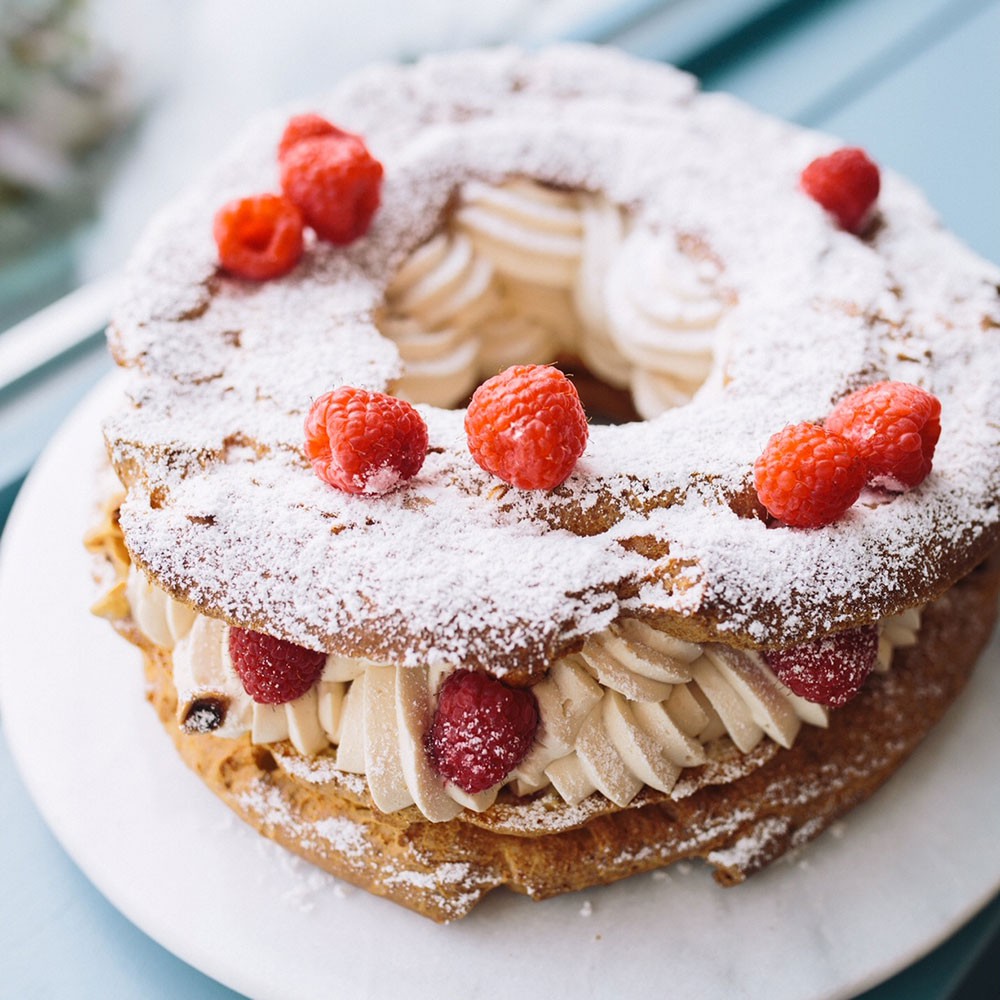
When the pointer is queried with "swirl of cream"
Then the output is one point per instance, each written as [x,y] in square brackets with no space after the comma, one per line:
[532,235]
[442,283]
[603,232]
[512,338]
[655,392]
[625,743]
[440,367]
[210,697]
[158,616]
[896,632]
[435,300]
[528,325]
[664,304]
[528,231]
[314,720]
[490,291]
[564,699]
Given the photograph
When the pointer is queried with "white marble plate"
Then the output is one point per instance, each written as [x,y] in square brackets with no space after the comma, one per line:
[902,873]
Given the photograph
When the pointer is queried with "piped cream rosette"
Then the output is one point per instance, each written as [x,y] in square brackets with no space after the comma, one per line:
[522,273]
[441,291]
[633,708]
[665,305]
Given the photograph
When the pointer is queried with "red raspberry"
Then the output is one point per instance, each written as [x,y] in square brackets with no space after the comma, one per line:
[259,237]
[306,126]
[895,427]
[846,183]
[335,182]
[807,477]
[527,426]
[482,729]
[364,442]
[828,671]
[273,671]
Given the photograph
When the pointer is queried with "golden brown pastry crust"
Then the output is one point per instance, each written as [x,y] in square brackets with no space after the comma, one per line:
[741,813]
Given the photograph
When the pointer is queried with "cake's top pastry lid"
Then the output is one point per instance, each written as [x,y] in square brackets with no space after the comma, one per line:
[658,518]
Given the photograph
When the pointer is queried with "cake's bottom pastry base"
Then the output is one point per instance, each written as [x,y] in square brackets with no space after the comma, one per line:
[738,812]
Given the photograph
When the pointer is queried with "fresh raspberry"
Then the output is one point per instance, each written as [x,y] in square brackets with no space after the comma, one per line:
[895,427]
[807,477]
[307,126]
[335,182]
[828,671]
[259,237]
[846,183]
[273,671]
[481,730]
[527,426]
[364,442]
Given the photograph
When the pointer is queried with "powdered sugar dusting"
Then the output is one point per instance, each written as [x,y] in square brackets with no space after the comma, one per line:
[264,801]
[224,511]
[456,886]
[753,845]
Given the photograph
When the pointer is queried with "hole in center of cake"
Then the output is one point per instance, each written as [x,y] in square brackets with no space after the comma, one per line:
[525,273]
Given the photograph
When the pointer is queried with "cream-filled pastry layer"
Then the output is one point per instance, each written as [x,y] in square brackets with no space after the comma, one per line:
[632,709]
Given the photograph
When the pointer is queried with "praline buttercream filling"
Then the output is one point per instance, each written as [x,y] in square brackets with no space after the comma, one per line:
[525,273]
[630,710]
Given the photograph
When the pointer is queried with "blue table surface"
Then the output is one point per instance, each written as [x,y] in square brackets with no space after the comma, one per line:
[916,82]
